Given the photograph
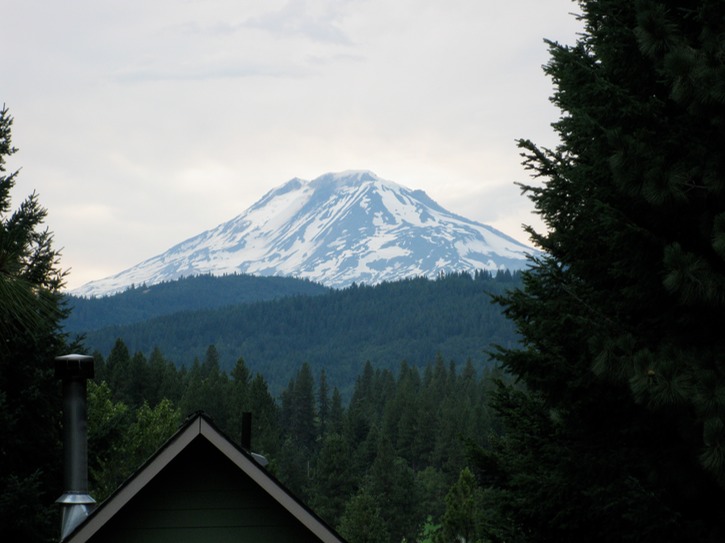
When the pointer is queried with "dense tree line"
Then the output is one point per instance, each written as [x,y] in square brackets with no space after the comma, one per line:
[405,320]
[140,303]
[389,464]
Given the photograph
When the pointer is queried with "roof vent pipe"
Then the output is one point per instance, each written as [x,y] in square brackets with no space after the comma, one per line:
[247,439]
[246,430]
[76,503]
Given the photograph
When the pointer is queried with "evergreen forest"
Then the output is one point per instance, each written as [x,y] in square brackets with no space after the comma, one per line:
[389,465]
[339,330]
[140,303]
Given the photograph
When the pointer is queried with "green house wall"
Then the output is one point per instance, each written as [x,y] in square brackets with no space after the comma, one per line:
[202,496]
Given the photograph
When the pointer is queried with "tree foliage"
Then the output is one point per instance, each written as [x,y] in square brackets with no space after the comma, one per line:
[339,331]
[363,521]
[462,518]
[379,467]
[30,337]
[121,438]
[621,427]
[140,303]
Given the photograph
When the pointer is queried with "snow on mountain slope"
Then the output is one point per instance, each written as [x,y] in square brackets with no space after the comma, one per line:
[337,229]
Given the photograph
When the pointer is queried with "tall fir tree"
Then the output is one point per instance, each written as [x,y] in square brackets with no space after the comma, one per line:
[30,314]
[333,482]
[621,319]
[265,421]
[363,521]
[117,371]
[323,404]
[461,519]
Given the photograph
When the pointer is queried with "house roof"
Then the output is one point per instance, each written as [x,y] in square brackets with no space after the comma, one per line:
[200,426]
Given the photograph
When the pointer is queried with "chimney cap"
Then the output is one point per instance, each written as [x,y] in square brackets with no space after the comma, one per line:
[76,498]
[73,365]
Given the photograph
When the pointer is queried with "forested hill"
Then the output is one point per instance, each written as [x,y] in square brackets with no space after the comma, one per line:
[140,303]
[412,320]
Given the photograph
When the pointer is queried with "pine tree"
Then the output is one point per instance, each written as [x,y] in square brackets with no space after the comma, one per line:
[210,366]
[391,481]
[621,317]
[265,417]
[108,421]
[363,521]
[323,404]
[30,337]
[239,399]
[122,438]
[118,370]
[302,421]
[333,483]
[461,519]
[165,381]
[336,418]
[206,390]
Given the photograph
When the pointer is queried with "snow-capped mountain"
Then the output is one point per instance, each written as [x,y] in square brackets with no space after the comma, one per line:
[337,229]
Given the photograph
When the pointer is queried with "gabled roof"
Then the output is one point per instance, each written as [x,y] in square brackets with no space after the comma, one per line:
[196,427]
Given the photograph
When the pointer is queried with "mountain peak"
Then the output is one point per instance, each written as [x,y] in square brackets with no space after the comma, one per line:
[355,179]
[347,177]
[337,229]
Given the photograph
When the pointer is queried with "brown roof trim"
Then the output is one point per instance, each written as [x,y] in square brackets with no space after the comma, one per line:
[201,425]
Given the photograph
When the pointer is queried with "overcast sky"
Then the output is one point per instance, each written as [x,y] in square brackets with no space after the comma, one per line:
[142,123]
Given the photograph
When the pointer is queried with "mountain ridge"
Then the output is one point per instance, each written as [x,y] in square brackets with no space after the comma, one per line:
[337,229]
[141,302]
[411,320]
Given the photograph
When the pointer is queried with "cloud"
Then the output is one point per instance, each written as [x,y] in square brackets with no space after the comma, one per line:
[206,71]
[143,123]
[319,21]
[290,41]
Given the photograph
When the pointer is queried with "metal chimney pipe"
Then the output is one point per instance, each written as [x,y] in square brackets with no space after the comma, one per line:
[247,439]
[246,430]
[76,503]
